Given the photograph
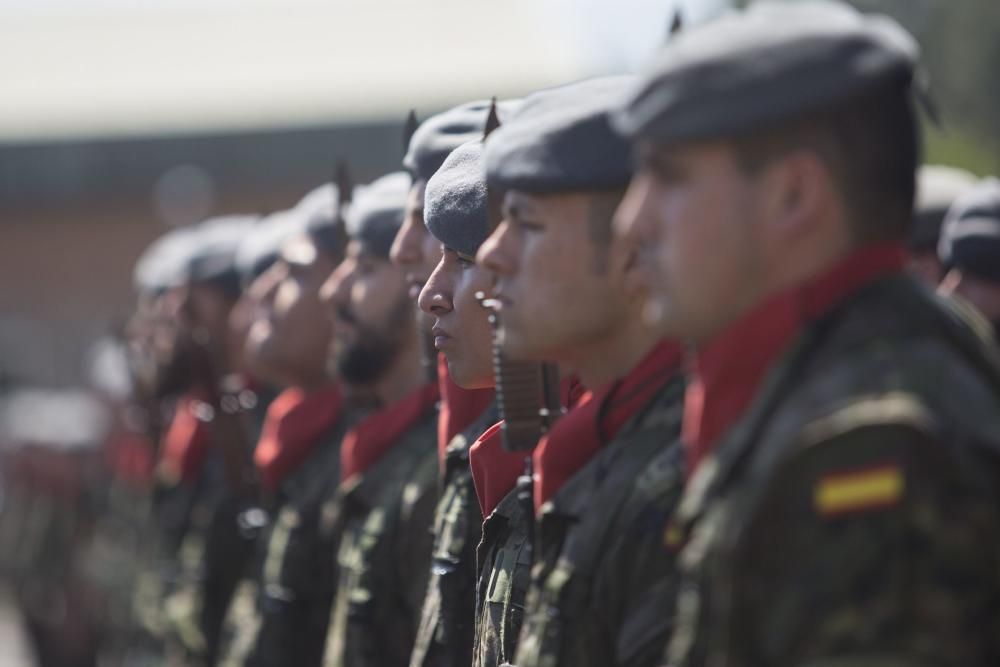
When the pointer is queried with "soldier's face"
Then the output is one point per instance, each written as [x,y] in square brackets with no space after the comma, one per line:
[290,333]
[366,297]
[984,295]
[559,292]
[691,212]
[461,329]
[414,249]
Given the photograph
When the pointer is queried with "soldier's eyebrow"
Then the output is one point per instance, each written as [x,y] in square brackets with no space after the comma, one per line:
[516,213]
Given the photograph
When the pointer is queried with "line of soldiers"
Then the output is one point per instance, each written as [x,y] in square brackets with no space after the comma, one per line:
[671,395]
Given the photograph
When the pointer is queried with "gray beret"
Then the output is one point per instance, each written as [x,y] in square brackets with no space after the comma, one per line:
[163,264]
[262,244]
[439,135]
[376,212]
[753,69]
[455,210]
[320,216]
[970,237]
[214,245]
[938,186]
[561,140]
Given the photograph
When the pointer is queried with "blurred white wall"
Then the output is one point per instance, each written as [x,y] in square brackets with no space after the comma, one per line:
[80,68]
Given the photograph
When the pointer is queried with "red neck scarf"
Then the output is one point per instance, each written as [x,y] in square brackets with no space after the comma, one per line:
[459,407]
[185,444]
[597,418]
[375,434]
[729,369]
[494,469]
[294,423]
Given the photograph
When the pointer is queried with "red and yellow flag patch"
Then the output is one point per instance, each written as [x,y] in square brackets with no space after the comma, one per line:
[859,490]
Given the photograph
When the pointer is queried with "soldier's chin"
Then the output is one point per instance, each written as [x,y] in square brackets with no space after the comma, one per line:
[653,313]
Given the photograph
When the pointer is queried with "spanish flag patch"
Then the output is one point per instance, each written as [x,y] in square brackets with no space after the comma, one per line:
[859,490]
[673,536]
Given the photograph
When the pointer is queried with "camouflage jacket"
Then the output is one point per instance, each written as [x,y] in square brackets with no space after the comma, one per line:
[504,564]
[850,516]
[384,556]
[279,615]
[222,554]
[602,585]
[444,636]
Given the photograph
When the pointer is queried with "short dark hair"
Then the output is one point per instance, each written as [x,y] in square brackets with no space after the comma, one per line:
[870,143]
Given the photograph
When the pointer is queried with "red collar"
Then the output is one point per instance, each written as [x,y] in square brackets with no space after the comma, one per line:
[597,418]
[374,435]
[294,423]
[494,469]
[728,370]
[185,444]
[459,407]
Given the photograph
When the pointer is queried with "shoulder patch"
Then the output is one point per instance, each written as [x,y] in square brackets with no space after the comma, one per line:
[859,490]
[890,408]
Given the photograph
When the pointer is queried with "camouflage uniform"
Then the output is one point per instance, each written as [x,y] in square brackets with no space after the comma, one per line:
[218,555]
[279,615]
[850,517]
[383,559]
[602,586]
[504,562]
[444,636]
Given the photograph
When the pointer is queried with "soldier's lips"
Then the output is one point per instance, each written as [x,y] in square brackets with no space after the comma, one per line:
[441,338]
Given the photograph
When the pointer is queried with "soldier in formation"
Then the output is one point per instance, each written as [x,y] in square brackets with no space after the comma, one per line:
[679,368]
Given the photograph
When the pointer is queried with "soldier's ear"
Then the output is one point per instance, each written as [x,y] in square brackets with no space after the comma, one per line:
[798,192]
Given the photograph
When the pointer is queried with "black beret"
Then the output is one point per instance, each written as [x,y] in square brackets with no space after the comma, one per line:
[441,134]
[455,210]
[970,237]
[753,69]
[561,140]
[376,212]
[320,216]
[937,188]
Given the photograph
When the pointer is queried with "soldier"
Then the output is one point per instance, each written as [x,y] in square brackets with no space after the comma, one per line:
[456,215]
[601,589]
[383,508]
[937,187]
[281,612]
[970,248]
[418,253]
[841,423]
[196,470]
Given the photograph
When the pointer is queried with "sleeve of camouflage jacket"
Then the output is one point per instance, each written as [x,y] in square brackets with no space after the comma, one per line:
[868,547]
[415,540]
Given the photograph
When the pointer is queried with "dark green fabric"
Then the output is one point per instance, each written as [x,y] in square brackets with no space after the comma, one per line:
[383,559]
[504,562]
[444,636]
[603,585]
[280,616]
[893,378]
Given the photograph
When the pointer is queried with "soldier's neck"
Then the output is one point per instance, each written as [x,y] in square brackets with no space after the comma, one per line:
[613,356]
[406,374]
